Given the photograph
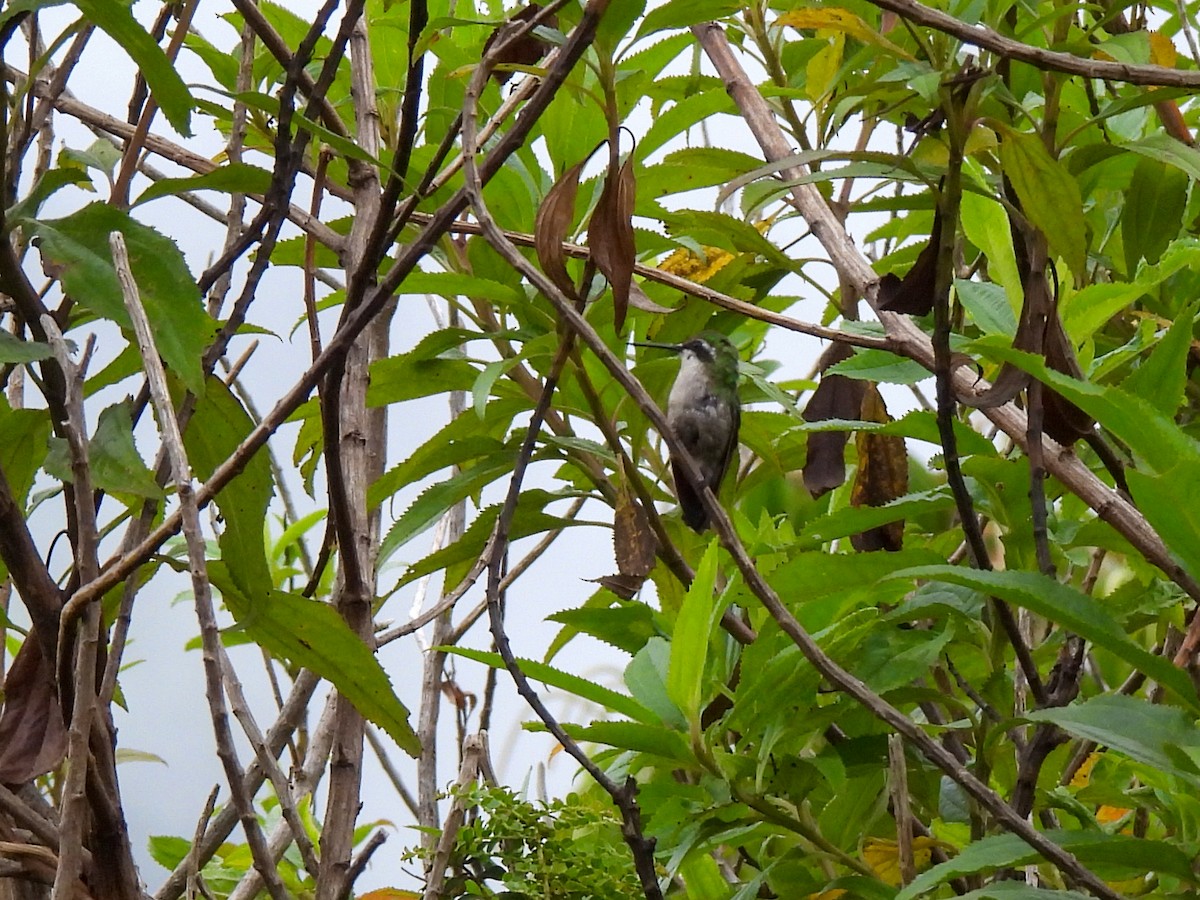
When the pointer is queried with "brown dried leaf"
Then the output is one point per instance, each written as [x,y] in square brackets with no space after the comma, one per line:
[33,739]
[836,397]
[882,475]
[639,300]
[624,586]
[610,236]
[633,540]
[913,294]
[525,52]
[1061,419]
[554,219]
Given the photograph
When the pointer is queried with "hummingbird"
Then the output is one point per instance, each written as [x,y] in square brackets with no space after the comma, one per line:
[703,413]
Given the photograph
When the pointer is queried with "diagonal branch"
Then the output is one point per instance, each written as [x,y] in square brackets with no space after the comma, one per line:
[988,39]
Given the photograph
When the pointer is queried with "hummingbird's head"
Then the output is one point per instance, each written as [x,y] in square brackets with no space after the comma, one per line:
[709,349]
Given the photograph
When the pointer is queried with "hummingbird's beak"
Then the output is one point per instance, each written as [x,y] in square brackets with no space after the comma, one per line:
[674,348]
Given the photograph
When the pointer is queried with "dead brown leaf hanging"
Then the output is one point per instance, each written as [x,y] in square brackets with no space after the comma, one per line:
[610,235]
[33,739]
[1061,419]
[552,225]
[633,541]
[527,51]
[913,294]
[882,475]
[836,397]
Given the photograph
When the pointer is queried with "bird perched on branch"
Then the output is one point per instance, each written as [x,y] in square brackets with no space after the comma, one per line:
[703,413]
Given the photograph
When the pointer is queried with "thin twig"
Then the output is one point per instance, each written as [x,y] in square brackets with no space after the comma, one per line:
[198,566]
[72,825]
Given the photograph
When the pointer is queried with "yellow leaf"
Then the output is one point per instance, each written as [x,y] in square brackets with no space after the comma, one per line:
[1106,815]
[1083,775]
[693,266]
[1162,50]
[883,856]
[832,18]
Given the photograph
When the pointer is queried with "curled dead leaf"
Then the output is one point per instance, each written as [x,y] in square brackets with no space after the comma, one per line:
[882,475]
[610,235]
[836,397]
[633,541]
[550,229]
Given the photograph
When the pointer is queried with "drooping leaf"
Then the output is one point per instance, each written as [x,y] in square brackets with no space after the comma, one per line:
[833,18]
[312,634]
[1153,211]
[230,178]
[610,235]
[633,541]
[621,704]
[168,88]
[987,305]
[33,739]
[1049,195]
[524,52]
[882,476]
[218,425]
[880,365]
[914,292]
[78,248]
[552,226]
[1149,733]
[837,397]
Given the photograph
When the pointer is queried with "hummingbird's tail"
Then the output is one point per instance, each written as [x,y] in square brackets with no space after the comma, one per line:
[695,516]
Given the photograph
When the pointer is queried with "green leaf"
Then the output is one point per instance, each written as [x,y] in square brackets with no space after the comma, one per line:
[216,428]
[1091,847]
[1147,432]
[45,187]
[1142,731]
[78,247]
[857,519]
[988,305]
[689,640]
[23,436]
[985,224]
[1162,377]
[639,737]
[1075,611]
[1049,195]
[116,464]
[685,13]
[168,88]
[459,442]
[572,684]
[232,178]
[15,350]
[529,519]
[1165,501]
[399,378]
[436,500]
[311,634]
[880,365]
[1166,149]
[626,626]
[1153,211]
